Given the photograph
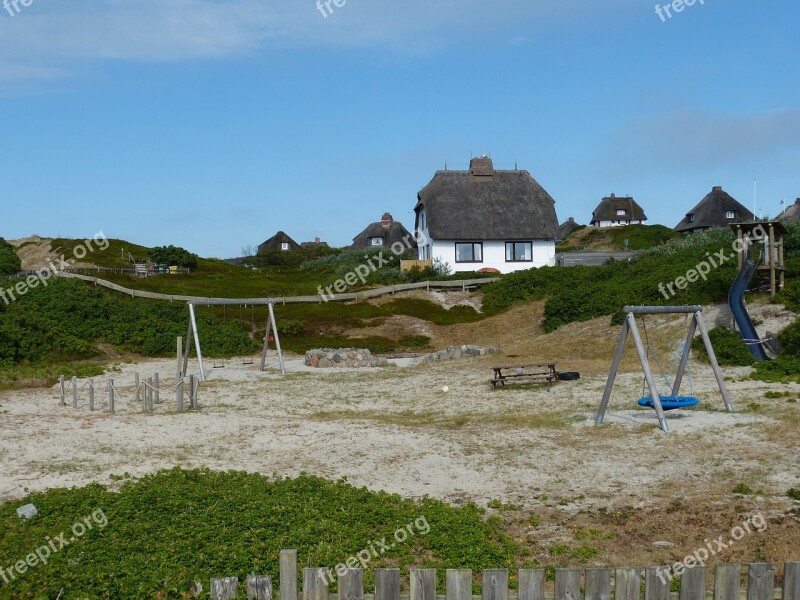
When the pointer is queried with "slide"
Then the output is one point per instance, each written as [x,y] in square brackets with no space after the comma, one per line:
[739,309]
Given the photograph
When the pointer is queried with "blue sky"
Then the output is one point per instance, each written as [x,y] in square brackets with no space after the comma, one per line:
[212,125]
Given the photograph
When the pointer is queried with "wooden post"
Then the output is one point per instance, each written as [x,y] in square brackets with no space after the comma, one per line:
[648,374]
[387,584]
[626,584]
[791,581]
[612,374]
[157,389]
[657,583]
[259,587]
[197,341]
[91,395]
[111,396]
[179,366]
[693,583]
[712,358]
[598,584]
[315,584]
[531,584]
[459,584]
[63,392]
[495,584]
[192,392]
[225,588]
[568,584]
[136,385]
[288,575]
[179,395]
[760,581]
[726,582]
[74,388]
[687,348]
[351,585]
[150,394]
[423,584]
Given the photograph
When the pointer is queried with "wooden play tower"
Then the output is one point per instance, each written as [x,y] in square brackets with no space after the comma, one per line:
[769,236]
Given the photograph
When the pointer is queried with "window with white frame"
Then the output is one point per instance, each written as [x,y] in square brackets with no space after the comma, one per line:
[621,212]
[690,216]
[467,252]
[284,245]
[730,214]
[519,251]
[376,241]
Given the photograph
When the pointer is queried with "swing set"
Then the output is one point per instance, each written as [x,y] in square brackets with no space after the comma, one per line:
[667,396]
[270,335]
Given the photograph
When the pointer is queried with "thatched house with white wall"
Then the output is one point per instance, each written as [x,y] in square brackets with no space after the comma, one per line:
[484,219]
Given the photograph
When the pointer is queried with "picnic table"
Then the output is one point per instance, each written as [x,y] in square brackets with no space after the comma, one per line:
[544,371]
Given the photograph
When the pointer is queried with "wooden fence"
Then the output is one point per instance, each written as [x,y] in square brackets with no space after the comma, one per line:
[570,584]
[463,285]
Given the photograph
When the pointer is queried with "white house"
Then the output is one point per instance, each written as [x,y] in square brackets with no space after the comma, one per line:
[618,211]
[486,220]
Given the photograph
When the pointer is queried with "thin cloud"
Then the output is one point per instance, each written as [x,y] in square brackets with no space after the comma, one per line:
[53,39]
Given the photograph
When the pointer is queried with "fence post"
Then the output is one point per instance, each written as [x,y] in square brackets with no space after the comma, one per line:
[568,584]
[91,395]
[74,386]
[179,395]
[693,583]
[531,584]
[315,584]
[191,391]
[423,584]
[288,575]
[157,385]
[259,587]
[726,582]
[791,581]
[225,588]
[61,385]
[111,396]
[495,584]
[657,583]
[351,585]
[626,584]
[136,384]
[459,584]
[387,584]
[760,581]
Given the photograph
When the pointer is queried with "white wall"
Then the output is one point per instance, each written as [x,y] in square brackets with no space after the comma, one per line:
[494,255]
[618,223]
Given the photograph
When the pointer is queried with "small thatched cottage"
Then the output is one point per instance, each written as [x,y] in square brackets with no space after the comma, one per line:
[791,212]
[567,228]
[717,209]
[279,241]
[614,211]
[485,219]
[385,232]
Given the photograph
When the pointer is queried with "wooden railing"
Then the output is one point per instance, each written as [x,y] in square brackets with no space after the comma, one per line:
[570,584]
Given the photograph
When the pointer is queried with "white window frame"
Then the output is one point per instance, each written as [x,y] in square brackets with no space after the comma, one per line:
[376,241]
[284,246]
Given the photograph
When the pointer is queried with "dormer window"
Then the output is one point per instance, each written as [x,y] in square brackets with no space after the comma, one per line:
[730,214]
[690,216]
[376,241]
[284,246]
[620,212]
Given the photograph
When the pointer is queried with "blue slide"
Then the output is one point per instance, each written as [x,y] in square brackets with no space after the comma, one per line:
[739,309]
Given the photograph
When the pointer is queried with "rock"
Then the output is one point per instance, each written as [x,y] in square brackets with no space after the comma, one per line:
[27,512]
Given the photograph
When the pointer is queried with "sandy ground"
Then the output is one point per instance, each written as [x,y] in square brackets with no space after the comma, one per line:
[396,429]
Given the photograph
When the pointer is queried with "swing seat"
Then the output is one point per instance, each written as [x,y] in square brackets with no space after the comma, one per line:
[670,402]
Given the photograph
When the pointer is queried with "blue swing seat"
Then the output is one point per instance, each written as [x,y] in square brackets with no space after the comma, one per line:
[670,402]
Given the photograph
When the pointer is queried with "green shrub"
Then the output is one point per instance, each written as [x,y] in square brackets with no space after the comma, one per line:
[291,327]
[793,493]
[729,348]
[743,489]
[173,256]
[10,263]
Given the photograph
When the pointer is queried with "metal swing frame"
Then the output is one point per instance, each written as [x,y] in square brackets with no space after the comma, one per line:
[630,327]
[192,333]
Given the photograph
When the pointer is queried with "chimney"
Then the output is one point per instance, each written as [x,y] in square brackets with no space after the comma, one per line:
[481,167]
[797,201]
[317,240]
[613,195]
[571,219]
[717,188]
[386,219]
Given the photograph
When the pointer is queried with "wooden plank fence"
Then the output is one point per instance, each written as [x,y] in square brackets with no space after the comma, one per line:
[462,285]
[570,584]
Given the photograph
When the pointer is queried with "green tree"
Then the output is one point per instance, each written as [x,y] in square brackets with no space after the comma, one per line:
[173,256]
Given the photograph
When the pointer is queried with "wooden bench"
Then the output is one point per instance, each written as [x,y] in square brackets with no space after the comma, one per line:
[545,371]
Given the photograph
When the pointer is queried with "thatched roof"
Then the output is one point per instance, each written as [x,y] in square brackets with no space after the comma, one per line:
[276,241]
[567,227]
[711,212]
[608,207]
[485,204]
[791,212]
[389,230]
